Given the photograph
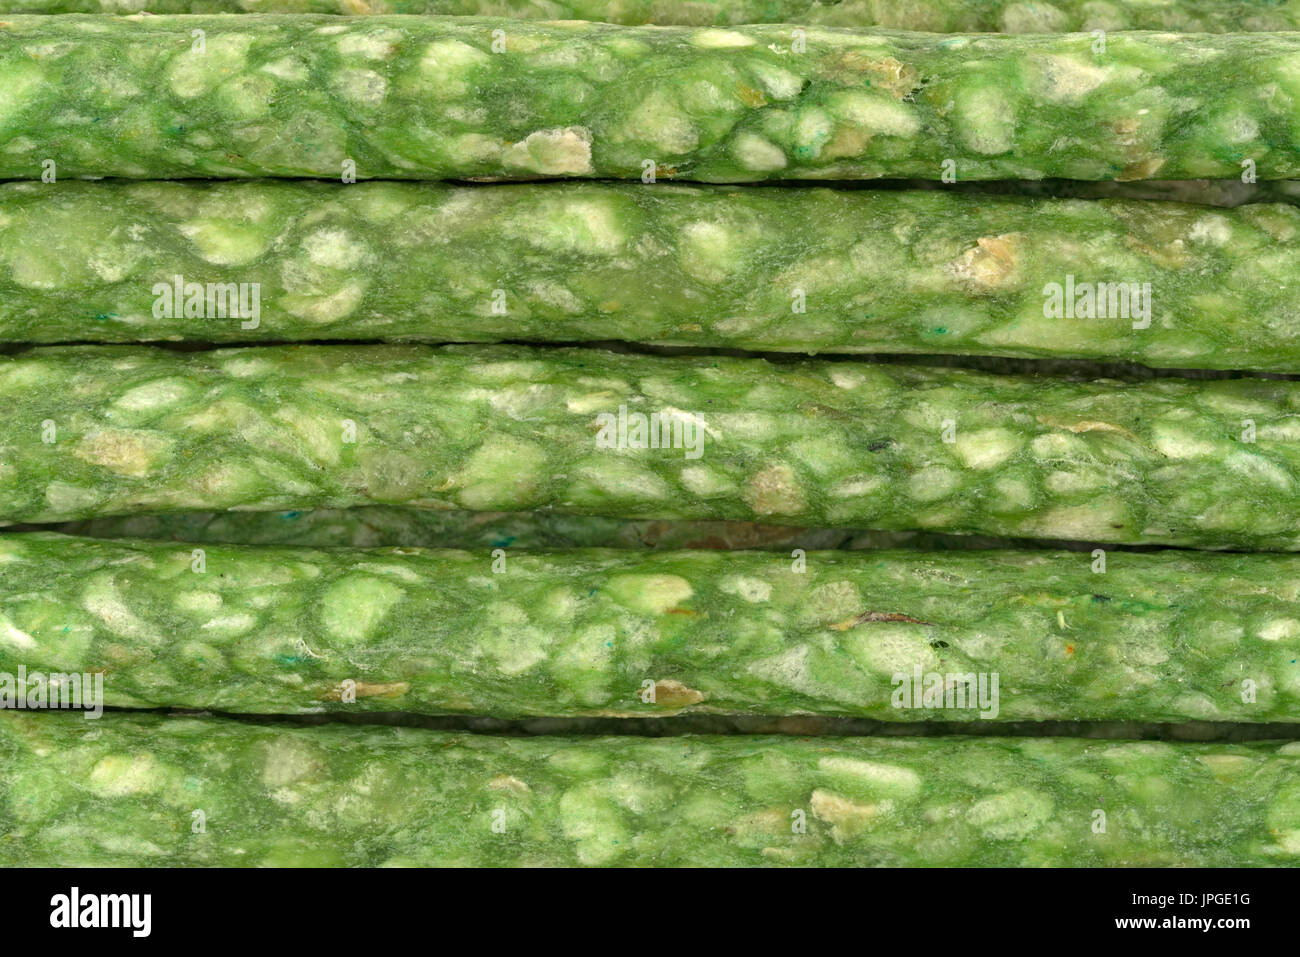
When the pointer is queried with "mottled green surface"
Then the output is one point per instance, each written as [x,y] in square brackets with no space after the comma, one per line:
[1165,636]
[938,16]
[123,791]
[111,430]
[870,271]
[427,98]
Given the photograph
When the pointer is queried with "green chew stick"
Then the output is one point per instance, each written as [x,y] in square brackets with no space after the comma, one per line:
[935,16]
[152,790]
[111,430]
[454,97]
[892,635]
[805,270]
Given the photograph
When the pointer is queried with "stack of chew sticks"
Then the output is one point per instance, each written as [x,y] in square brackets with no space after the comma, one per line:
[309,411]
